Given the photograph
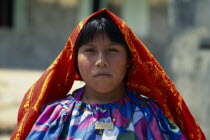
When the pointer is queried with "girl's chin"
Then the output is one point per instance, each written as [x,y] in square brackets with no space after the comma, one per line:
[103,88]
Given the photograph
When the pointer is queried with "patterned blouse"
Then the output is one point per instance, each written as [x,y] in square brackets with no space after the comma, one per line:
[137,118]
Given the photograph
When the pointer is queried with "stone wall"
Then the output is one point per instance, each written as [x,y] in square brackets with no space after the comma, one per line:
[190,67]
[38,44]
[189,64]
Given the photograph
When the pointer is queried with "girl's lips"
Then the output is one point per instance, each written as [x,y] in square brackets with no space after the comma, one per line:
[102,75]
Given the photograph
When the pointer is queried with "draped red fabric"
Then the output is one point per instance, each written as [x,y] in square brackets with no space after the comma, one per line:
[146,77]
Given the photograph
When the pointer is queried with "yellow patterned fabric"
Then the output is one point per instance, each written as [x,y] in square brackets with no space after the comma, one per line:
[146,77]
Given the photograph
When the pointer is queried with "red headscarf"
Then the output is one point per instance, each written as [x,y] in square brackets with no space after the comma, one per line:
[146,77]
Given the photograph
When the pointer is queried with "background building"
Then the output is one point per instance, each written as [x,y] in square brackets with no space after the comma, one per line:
[33,32]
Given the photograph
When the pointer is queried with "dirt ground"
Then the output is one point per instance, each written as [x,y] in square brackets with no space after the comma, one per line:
[13,85]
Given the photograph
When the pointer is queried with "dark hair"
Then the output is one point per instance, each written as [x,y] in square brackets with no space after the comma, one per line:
[98,25]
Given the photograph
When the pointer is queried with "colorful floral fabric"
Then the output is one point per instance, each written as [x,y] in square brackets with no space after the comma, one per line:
[137,118]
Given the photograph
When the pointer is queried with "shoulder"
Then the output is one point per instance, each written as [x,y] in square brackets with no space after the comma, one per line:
[66,102]
[76,92]
[144,103]
[141,99]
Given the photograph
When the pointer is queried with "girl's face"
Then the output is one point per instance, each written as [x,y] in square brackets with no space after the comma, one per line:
[103,64]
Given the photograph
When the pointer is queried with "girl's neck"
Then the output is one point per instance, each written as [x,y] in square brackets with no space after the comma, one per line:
[93,97]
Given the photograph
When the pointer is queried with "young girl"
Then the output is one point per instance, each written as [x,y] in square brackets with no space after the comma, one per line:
[116,68]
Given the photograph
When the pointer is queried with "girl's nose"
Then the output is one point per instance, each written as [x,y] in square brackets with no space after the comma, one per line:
[101,61]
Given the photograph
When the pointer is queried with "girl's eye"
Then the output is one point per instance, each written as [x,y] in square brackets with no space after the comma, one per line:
[90,50]
[112,50]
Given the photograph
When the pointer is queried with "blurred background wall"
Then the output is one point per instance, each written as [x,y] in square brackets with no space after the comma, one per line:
[33,32]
